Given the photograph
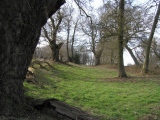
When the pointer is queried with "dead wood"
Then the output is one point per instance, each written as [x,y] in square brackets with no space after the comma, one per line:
[62,110]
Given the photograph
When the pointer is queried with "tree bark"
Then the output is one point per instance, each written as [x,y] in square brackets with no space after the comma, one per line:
[121,69]
[54,51]
[132,55]
[97,60]
[145,67]
[20,26]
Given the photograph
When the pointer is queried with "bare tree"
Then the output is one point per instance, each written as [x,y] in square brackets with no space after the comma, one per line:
[145,67]
[50,31]
[68,26]
[92,30]
[134,25]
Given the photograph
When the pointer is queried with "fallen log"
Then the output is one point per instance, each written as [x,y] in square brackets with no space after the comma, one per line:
[63,109]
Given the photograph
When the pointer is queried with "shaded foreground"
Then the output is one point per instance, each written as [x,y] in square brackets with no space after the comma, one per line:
[50,109]
[61,110]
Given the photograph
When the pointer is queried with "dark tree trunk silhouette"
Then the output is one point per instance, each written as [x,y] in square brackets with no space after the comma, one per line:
[54,51]
[67,43]
[132,55]
[145,67]
[20,26]
[121,69]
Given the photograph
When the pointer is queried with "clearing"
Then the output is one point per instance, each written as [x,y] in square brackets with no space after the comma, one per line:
[97,91]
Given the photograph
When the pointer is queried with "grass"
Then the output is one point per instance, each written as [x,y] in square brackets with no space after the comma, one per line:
[98,91]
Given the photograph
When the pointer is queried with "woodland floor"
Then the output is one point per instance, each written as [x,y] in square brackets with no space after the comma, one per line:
[95,90]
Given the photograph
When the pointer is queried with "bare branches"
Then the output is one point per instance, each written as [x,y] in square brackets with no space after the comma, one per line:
[46,34]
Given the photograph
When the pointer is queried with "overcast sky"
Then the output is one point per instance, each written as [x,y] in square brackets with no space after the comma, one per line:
[97,4]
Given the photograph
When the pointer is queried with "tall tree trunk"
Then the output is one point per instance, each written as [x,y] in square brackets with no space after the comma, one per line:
[145,67]
[132,55]
[20,26]
[121,69]
[73,37]
[67,49]
[67,43]
[72,49]
[57,56]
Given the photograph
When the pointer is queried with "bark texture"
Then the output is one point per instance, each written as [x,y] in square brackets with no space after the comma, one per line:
[121,69]
[20,26]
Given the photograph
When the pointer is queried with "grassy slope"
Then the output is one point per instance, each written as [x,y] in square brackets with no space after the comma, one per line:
[98,91]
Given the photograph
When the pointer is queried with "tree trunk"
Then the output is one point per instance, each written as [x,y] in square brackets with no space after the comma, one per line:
[67,43]
[121,69]
[67,48]
[54,51]
[57,51]
[73,37]
[145,67]
[72,49]
[132,55]
[57,56]
[20,26]
[111,60]
[97,60]
[98,56]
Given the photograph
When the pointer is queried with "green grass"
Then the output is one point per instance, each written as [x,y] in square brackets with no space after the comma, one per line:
[98,91]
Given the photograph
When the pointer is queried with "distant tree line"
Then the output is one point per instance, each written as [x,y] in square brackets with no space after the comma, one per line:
[105,33]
